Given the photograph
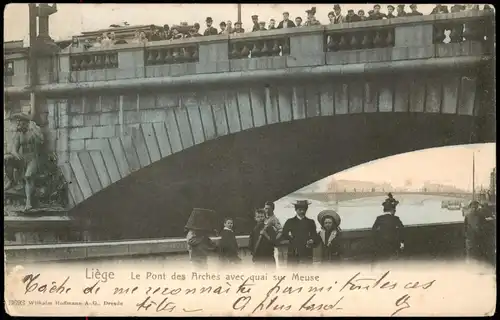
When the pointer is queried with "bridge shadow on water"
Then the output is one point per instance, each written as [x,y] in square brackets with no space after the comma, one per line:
[238,172]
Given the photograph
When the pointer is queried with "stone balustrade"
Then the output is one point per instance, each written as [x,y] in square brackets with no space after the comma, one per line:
[420,37]
[180,53]
[431,240]
[94,61]
[258,44]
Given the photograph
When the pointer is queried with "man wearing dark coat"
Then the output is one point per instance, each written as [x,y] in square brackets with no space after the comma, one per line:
[300,231]
[377,15]
[439,8]
[210,31]
[286,22]
[388,230]
[414,11]
[238,28]
[390,12]
[401,11]
[255,21]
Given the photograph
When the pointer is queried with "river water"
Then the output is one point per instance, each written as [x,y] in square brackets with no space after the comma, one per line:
[361,213]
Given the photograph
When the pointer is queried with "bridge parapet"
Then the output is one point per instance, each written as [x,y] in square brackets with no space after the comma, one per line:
[437,240]
[420,37]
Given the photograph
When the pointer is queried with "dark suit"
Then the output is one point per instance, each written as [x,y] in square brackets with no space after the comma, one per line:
[298,232]
[291,24]
[210,32]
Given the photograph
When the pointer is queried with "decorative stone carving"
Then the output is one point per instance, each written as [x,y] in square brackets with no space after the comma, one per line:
[32,177]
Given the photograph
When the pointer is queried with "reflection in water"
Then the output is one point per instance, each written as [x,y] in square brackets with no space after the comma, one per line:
[361,213]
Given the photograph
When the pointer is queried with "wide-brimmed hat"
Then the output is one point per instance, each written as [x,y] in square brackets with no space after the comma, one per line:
[329,214]
[302,203]
[202,219]
[20,116]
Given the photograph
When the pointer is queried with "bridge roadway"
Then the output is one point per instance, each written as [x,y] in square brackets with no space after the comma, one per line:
[437,241]
[137,129]
[346,196]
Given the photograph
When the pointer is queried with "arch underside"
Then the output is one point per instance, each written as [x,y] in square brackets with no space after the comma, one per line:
[236,173]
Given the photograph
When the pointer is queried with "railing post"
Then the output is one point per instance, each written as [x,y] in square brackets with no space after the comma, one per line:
[130,63]
[213,55]
[306,47]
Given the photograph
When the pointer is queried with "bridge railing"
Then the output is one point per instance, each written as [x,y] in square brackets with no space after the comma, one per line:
[419,37]
[430,240]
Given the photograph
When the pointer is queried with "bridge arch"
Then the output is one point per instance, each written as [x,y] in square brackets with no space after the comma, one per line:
[236,172]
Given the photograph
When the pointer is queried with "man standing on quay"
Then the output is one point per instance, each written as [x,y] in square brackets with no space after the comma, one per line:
[301,232]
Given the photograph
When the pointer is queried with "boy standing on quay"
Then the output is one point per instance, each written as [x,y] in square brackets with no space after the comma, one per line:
[228,247]
[262,240]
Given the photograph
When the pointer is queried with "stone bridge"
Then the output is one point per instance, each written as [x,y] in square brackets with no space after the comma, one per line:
[346,196]
[144,133]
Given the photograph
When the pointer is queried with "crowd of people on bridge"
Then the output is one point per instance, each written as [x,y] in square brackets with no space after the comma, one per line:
[301,236]
[336,16]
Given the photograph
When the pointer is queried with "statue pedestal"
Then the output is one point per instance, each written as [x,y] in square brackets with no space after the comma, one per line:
[45,225]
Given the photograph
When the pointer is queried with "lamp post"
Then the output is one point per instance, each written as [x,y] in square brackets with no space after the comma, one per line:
[239,12]
[32,61]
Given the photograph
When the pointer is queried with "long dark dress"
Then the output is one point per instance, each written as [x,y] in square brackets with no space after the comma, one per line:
[228,247]
[298,232]
[330,246]
[388,230]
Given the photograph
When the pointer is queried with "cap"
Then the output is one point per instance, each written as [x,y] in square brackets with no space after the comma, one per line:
[237,23]
[350,10]
[300,18]
[390,6]
[401,6]
[336,7]
[262,22]
[413,5]
[286,12]
[255,17]
[222,23]
[376,6]
[209,19]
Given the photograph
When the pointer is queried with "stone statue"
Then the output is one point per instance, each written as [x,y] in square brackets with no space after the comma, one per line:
[22,159]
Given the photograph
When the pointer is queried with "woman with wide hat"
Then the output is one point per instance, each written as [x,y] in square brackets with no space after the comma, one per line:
[199,226]
[300,231]
[329,234]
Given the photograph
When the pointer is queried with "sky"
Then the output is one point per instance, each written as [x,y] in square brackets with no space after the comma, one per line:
[71,19]
[447,165]
[450,165]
